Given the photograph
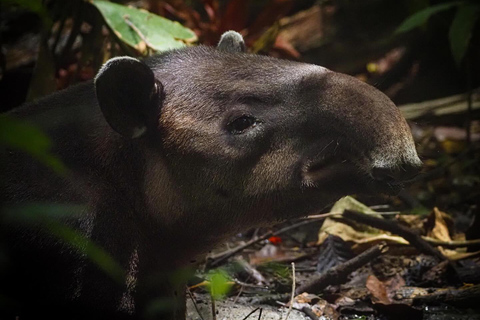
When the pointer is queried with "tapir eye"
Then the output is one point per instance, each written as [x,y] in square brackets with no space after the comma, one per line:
[240,124]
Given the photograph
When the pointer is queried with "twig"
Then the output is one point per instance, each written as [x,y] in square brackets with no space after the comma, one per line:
[222,257]
[452,244]
[462,296]
[251,271]
[239,291]
[442,106]
[214,311]
[339,213]
[324,215]
[293,291]
[339,274]
[194,303]
[393,227]
[249,285]
[260,314]
[252,312]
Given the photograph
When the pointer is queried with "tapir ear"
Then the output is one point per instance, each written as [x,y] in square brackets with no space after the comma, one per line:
[128,95]
[231,41]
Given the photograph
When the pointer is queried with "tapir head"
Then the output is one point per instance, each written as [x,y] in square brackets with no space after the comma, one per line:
[249,138]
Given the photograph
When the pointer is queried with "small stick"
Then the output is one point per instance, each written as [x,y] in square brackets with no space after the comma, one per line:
[222,257]
[339,274]
[251,271]
[252,312]
[260,314]
[212,299]
[293,291]
[194,303]
[452,244]
[391,226]
[463,296]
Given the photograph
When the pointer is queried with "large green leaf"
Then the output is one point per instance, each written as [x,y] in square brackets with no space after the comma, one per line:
[219,283]
[419,18]
[142,29]
[461,30]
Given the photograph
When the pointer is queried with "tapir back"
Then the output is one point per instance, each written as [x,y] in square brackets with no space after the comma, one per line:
[47,272]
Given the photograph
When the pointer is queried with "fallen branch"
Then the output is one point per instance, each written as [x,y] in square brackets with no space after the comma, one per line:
[464,296]
[220,258]
[252,312]
[339,274]
[393,227]
[454,104]
[190,295]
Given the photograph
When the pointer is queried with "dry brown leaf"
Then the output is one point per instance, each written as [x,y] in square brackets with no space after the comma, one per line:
[344,231]
[413,221]
[440,229]
[325,309]
[306,298]
[456,255]
[384,291]
[377,289]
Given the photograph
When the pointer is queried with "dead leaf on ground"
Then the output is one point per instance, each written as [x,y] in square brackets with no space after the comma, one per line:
[384,291]
[440,229]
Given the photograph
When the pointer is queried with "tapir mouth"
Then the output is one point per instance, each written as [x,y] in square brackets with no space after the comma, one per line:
[346,176]
[331,171]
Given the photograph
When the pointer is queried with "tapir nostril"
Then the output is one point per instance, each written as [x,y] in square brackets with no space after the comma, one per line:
[397,174]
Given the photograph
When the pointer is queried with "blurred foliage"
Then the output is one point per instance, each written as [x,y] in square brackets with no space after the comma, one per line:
[35,6]
[461,27]
[19,135]
[219,283]
[78,36]
[49,217]
[25,137]
[254,19]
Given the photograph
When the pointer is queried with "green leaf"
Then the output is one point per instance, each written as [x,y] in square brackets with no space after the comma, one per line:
[141,29]
[20,135]
[93,252]
[33,213]
[219,284]
[461,30]
[50,218]
[419,18]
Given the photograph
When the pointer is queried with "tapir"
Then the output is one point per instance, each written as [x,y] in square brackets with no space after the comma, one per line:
[169,156]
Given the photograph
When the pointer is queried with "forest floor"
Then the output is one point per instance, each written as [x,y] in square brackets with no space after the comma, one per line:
[412,256]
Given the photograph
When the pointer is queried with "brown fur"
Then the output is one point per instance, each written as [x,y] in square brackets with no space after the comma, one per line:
[185,180]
